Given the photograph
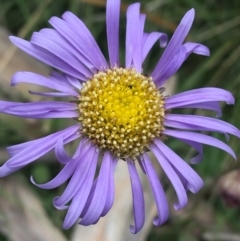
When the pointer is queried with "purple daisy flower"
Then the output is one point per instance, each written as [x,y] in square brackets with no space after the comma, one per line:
[121,114]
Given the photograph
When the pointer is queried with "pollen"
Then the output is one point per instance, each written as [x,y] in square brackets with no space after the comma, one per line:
[121,111]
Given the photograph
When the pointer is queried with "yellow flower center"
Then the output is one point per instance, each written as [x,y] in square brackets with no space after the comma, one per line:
[121,111]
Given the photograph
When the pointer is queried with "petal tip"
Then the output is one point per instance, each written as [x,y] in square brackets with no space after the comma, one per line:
[133,229]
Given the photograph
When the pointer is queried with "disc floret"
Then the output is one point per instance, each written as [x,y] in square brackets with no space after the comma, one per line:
[121,111]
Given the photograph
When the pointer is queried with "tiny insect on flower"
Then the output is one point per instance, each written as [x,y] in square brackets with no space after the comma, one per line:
[121,114]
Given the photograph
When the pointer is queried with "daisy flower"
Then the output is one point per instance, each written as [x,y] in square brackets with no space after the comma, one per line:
[121,114]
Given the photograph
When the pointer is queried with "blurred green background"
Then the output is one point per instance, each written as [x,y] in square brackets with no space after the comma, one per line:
[217,25]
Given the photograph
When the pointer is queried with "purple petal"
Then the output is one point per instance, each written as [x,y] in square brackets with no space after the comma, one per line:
[61,79]
[50,115]
[90,197]
[53,35]
[40,147]
[77,180]
[138,198]
[173,66]
[79,200]
[111,193]
[13,150]
[207,123]
[214,106]
[61,51]
[112,22]
[158,192]
[66,172]
[137,57]
[175,43]
[42,109]
[201,138]
[190,127]
[199,96]
[61,154]
[85,37]
[150,40]
[41,106]
[173,177]
[5,170]
[101,192]
[197,49]
[198,147]
[74,31]
[133,14]
[45,56]
[74,82]
[182,178]
[62,177]
[49,94]
[32,78]
[34,152]
[5,104]
[142,166]
[179,58]
[195,183]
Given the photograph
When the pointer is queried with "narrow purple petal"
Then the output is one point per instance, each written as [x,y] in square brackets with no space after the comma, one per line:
[175,43]
[182,178]
[191,127]
[60,51]
[198,147]
[158,192]
[112,22]
[138,198]
[85,37]
[178,125]
[45,56]
[61,154]
[137,57]
[50,115]
[42,109]
[32,78]
[53,35]
[74,82]
[197,49]
[77,180]
[90,197]
[5,104]
[15,149]
[32,153]
[40,147]
[173,66]
[207,123]
[195,182]
[111,193]
[173,177]
[65,173]
[61,79]
[142,166]
[101,193]
[41,106]
[62,177]
[74,31]
[201,138]
[5,170]
[50,94]
[199,96]
[133,14]
[150,40]
[23,156]
[79,200]
[214,106]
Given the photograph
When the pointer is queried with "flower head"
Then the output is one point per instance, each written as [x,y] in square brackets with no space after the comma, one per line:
[120,112]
